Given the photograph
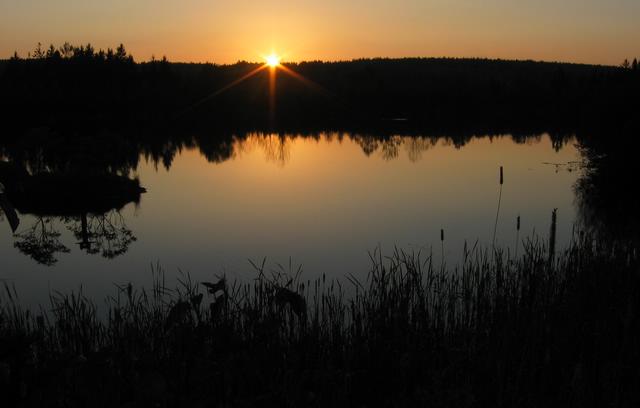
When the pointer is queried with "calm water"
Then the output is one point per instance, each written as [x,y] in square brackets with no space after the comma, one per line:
[323,202]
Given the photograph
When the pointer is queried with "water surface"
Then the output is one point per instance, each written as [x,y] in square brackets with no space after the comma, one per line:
[322,202]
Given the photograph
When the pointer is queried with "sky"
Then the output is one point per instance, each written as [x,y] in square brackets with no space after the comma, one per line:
[583,31]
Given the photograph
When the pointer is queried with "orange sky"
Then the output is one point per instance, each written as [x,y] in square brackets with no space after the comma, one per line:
[590,31]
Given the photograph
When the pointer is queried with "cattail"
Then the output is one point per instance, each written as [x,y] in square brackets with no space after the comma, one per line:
[552,234]
[495,227]
[442,247]
[517,236]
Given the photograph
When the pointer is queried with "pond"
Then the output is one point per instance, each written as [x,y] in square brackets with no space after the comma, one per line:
[322,201]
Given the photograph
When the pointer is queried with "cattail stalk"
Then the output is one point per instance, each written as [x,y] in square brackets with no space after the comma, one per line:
[552,234]
[495,227]
[517,236]
[442,246]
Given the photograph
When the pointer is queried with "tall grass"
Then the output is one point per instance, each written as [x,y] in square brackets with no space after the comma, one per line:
[492,331]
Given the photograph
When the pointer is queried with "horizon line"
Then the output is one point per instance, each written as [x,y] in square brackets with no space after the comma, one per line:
[355,59]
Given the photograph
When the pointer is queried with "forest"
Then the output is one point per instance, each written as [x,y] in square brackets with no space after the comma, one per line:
[79,87]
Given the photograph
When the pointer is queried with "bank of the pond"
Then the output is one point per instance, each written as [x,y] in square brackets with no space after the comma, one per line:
[544,329]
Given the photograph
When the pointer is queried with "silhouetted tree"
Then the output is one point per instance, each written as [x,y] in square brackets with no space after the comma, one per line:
[121,54]
[53,53]
[38,53]
[66,50]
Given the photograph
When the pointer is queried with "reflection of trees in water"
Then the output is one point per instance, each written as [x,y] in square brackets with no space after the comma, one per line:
[415,146]
[47,151]
[390,147]
[558,140]
[106,234]
[41,242]
[526,139]
[329,137]
[216,151]
[369,144]
[607,201]
[163,153]
[276,148]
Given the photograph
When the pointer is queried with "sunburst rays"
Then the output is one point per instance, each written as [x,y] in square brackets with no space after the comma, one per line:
[273,64]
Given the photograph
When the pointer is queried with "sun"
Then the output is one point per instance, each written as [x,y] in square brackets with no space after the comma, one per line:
[273,60]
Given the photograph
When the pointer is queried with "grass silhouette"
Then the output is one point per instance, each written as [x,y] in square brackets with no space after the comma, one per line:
[534,330]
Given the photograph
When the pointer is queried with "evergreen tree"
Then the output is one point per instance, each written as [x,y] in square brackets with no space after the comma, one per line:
[89,51]
[38,53]
[52,53]
[121,53]
[66,50]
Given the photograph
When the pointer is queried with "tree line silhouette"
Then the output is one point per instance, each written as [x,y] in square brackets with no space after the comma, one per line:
[76,86]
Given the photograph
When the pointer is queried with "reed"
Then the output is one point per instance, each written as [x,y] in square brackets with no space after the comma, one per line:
[552,234]
[492,330]
[517,237]
[495,226]
[442,259]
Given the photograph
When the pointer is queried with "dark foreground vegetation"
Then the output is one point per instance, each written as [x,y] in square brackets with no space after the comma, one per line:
[542,329]
[76,86]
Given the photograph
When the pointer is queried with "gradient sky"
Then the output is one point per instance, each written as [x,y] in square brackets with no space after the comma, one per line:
[589,31]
